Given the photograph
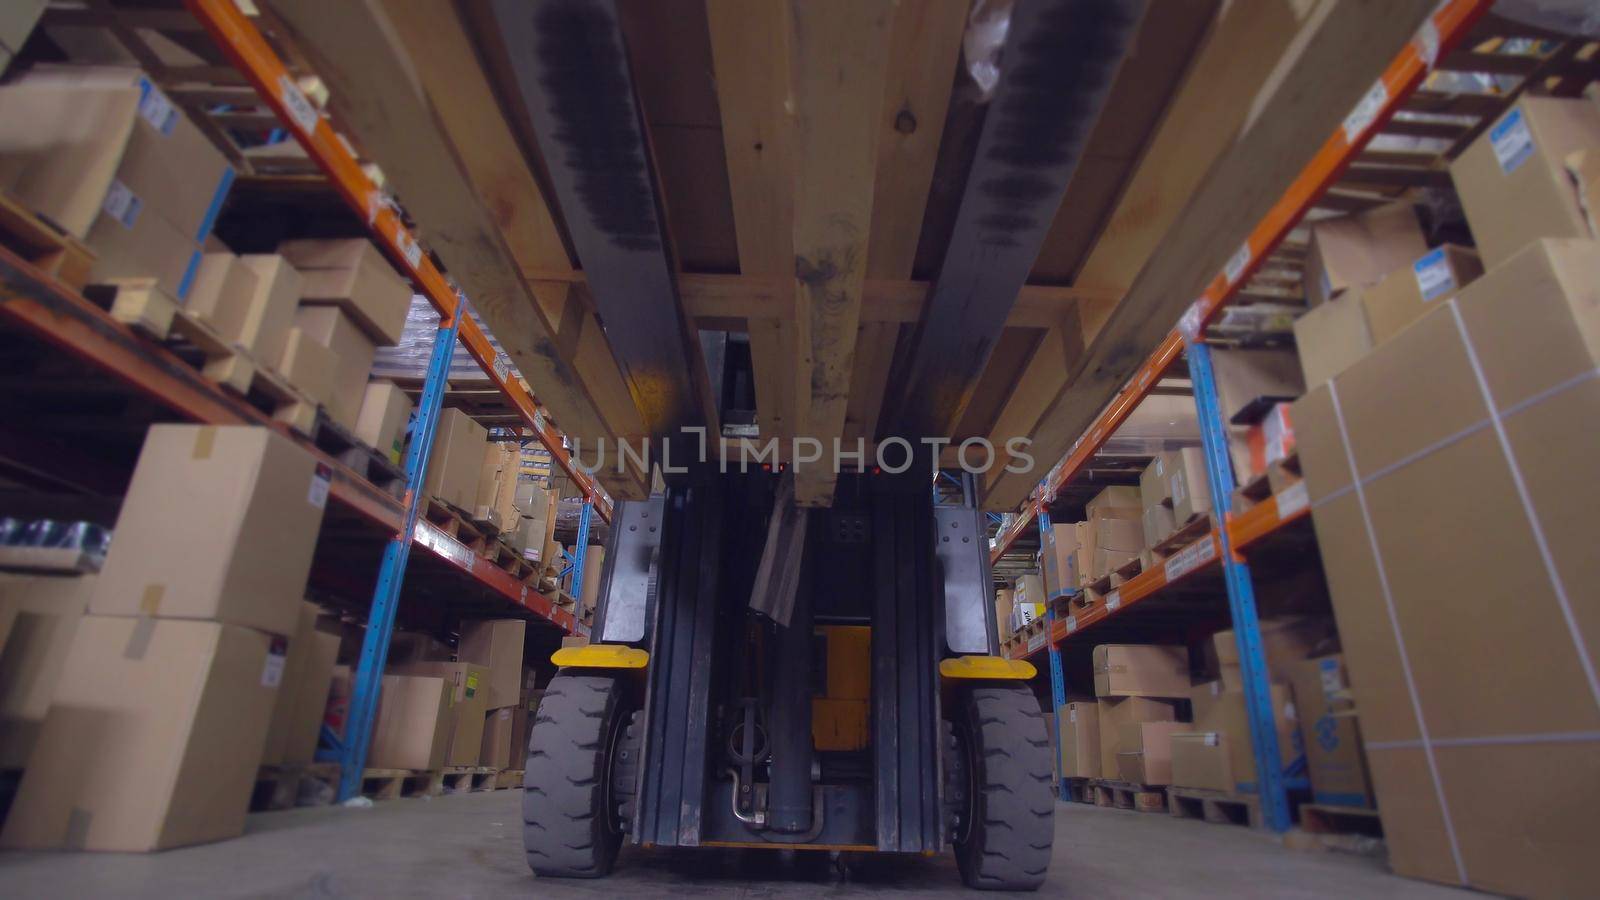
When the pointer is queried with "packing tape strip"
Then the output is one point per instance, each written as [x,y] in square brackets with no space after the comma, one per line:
[144,628]
[1526,498]
[150,600]
[205,440]
[77,836]
[1399,639]
[1550,737]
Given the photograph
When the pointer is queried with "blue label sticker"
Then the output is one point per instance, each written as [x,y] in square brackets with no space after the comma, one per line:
[1433,274]
[1512,141]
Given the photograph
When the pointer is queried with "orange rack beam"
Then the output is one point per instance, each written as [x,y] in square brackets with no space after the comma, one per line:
[255,59]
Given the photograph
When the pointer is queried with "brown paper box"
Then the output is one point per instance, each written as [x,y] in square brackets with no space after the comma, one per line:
[302,701]
[413,726]
[1332,336]
[1330,734]
[499,725]
[353,352]
[1399,299]
[457,459]
[1145,751]
[385,410]
[1079,724]
[356,277]
[308,365]
[467,706]
[1118,711]
[1141,670]
[1201,759]
[1358,250]
[43,613]
[496,645]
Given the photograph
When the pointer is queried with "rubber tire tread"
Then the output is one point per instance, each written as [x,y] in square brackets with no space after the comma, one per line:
[564,831]
[1012,833]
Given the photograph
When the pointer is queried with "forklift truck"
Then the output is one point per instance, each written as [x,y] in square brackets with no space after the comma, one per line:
[878,719]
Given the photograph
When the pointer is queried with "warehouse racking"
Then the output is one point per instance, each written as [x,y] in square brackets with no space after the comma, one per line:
[364,516]
[1341,162]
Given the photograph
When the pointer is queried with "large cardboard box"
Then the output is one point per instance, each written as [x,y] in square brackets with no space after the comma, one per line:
[353,275]
[308,365]
[268,315]
[1285,642]
[457,459]
[1405,294]
[353,351]
[1145,756]
[43,613]
[1512,180]
[221,292]
[153,738]
[1116,540]
[498,727]
[1141,670]
[1332,336]
[495,502]
[496,645]
[1058,558]
[1358,250]
[1079,739]
[1251,380]
[1155,488]
[385,410]
[1118,711]
[1118,501]
[302,701]
[1428,608]
[1158,523]
[1330,733]
[1201,759]
[1189,485]
[1223,711]
[218,523]
[468,705]
[103,153]
[413,726]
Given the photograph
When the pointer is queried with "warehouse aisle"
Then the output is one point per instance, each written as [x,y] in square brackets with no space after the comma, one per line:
[469,846]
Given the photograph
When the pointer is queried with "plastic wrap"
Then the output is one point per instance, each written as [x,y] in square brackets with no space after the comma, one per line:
[1581,17]
[982,42]
[409,357]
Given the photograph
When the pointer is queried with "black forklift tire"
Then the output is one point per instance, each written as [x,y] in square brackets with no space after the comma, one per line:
[568,829]
[1005,843]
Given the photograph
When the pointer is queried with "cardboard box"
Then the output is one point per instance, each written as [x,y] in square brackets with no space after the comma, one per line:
[1118,501]
[1405,294]
[496,645]
[1079,739]
[1223,711]
[269,314]
[221,292]
[457,459]
[1330,734]
[1433,470]
[495,502]
[308,365]
[1141,670]
[1285,642]
[1250,381]
[468,705]
[1058,558]
[1201,759]
[385,412]
[1158,523]
[353,350]
[1028,603]
[1004,600]
[1118,711]
[42,612]
[218,523]
[1331,336]
[1154,487]
[302,700]
[594,567]
[354,275]
[1270,440]
[413,727]
[1189,485]
[153,738]
[1584,167]
[1513,182]
[1145,754]
[1358,250]
[499,724]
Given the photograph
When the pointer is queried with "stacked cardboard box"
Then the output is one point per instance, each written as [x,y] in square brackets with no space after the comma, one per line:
[456,464]
[1172,491]
[103,154]
[1004,599]
[385,413]
[302,701]
[1250,383]
[1028,601]
[1114,531]
[538,523]
[1078,722]
[1359,250]
[496,645]
[1331,733]
[39,614]
[1138,687]
[496,500]
[353,276]
[160,717]
[1440,503]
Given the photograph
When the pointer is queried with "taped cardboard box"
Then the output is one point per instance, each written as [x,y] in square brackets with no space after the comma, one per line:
[1250,381]
[1079,744]
[268,315]
[1408,293]
[153,738]
[1217,709]
[220,523]
[499,725]
[1141,670]
[1118,501]
[1331,734]
[1145,751]
[43,613]
[353,352]
[1332,336]
[468,705]
[1202,759]
[302,701]
[385,412]
[1188,485]
[355,276]
[1513,182]
[1358,250]
[413,725]
[221,293]
[1118,711]
[1433,465]
[495,501]
[457,459]
[1285,642]
[496,645]
[308,365]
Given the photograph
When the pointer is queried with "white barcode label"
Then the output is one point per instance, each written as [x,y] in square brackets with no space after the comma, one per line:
[321,481]
[1236,263]
[1036,642]
[502,368]
[409,248]
[1292,499]
[1072,624]
[1433,274]
[155,108]
[444,545]
[1114,600]
[1190,558]
[1330,677]
[1512,141]
[122,204]
[272,669]
[301,112]
[1072,714]
[1211,739]
[1366,112]
[1427,43]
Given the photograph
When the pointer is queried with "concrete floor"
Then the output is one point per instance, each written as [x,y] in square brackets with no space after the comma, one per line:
[470,846]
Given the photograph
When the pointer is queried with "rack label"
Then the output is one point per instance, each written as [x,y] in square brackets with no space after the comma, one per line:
[321,481]
[122,204]
[1512,141]
[1036,642]
[300,110]
[1236,264]
[272,669]
[1292,500]
[1190,558]
[1427,43]
[1072,624]
[1433,274]
[444,545]
[408,248]
[155,108]
[1366,112]
[1114,600]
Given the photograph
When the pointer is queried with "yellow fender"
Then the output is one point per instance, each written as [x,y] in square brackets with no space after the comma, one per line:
[986,668]
[600,656]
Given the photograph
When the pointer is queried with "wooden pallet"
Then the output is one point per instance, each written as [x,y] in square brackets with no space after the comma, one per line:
[337,441]
[500,552]
[394,784]
[1279,475]
[1124,795]
[1096,590]
[508,779]
[54,252]
[1322,818]
[1197,527]
[464,779]
[1018,642]
[1216,807]
[280,787]
[1077,790]
[140,304]
[454,522]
